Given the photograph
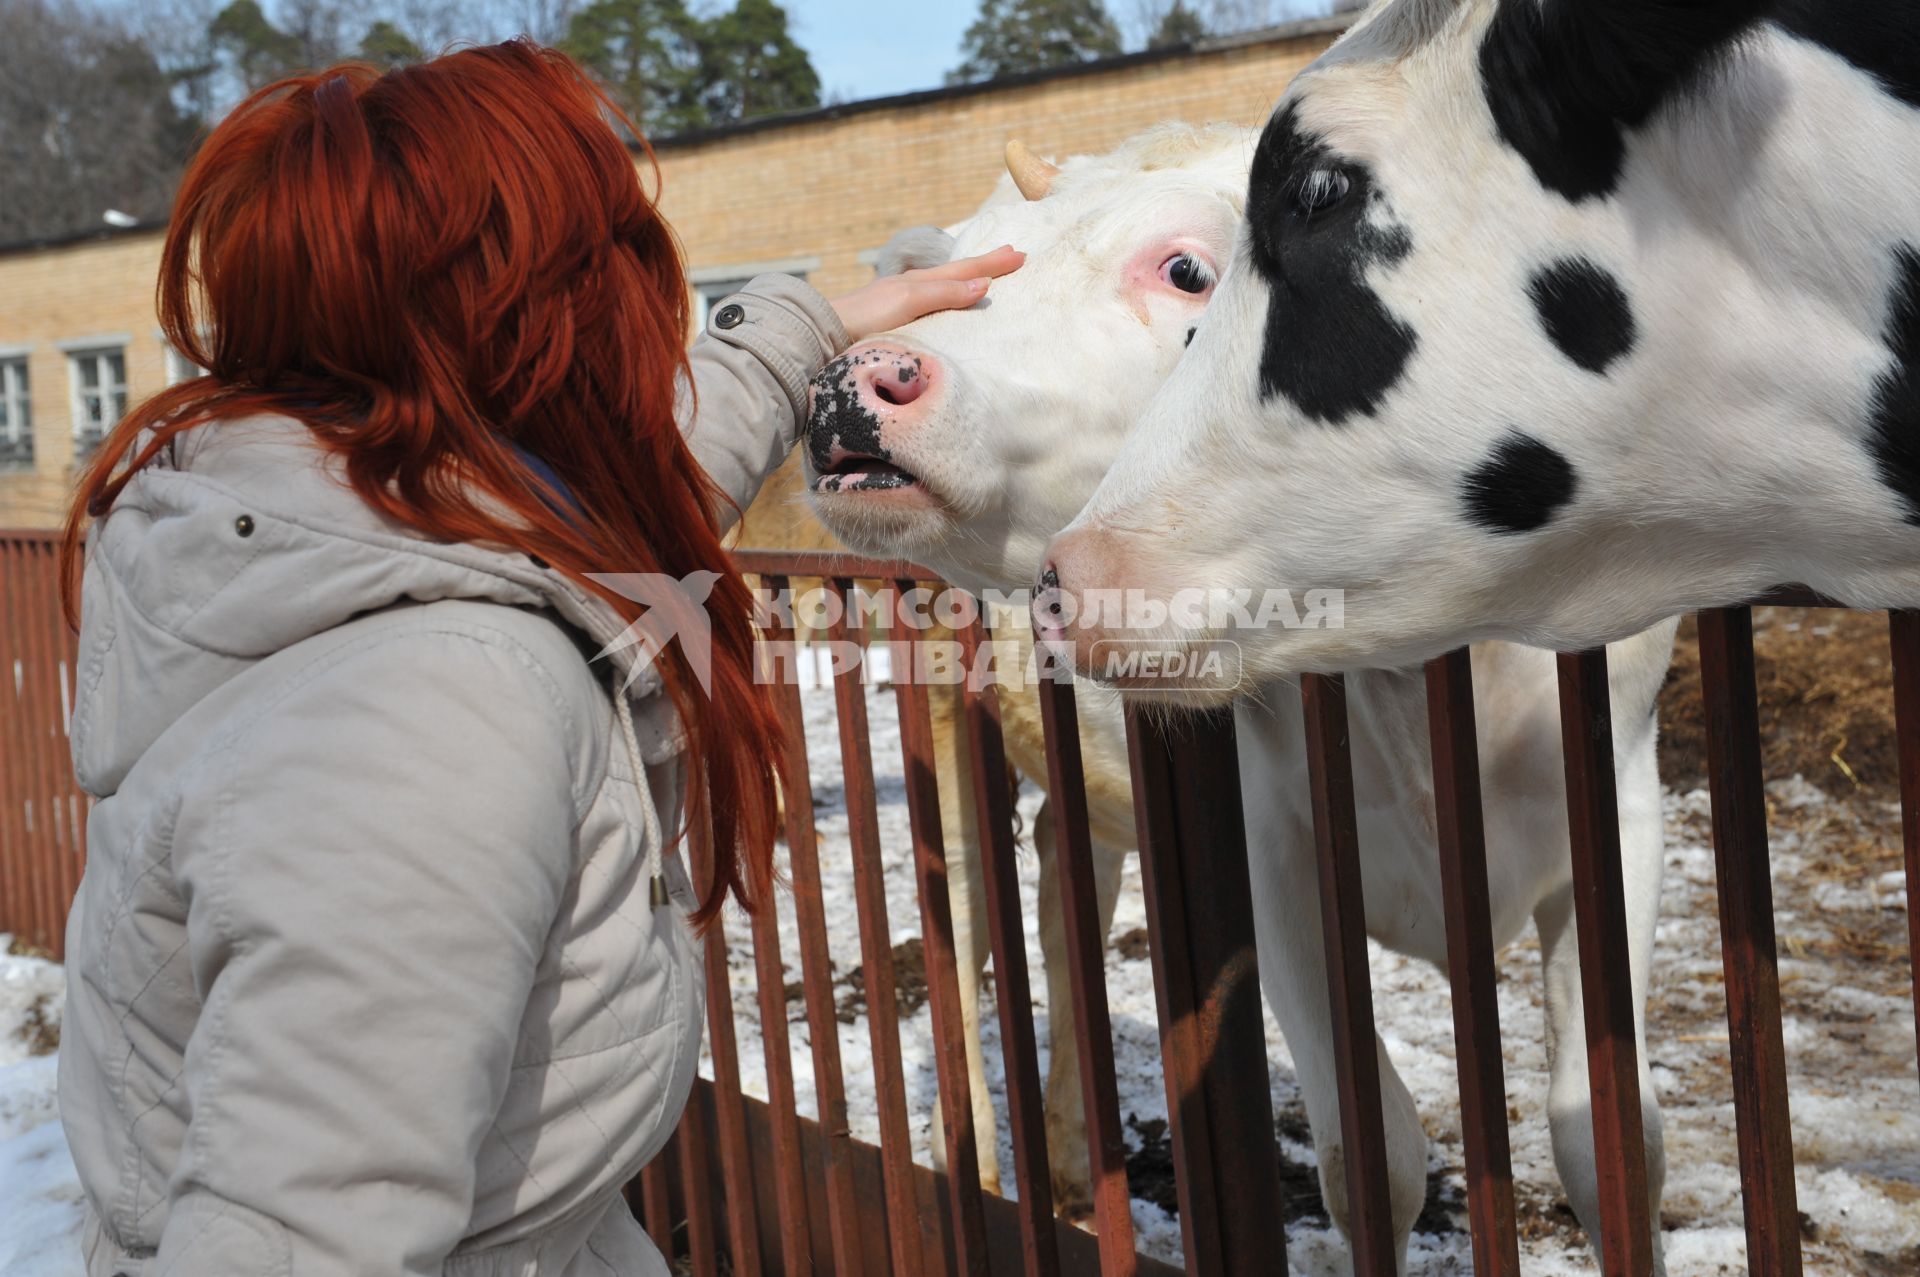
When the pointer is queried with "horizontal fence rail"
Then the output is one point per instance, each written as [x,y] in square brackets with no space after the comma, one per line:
[752,1186]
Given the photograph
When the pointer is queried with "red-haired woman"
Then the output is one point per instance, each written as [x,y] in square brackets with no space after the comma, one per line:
[382,962]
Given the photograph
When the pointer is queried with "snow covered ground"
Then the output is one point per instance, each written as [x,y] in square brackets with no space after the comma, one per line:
[39,1192]
[1849,1040]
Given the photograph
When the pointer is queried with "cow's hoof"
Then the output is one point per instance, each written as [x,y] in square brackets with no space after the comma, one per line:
[1072,1202]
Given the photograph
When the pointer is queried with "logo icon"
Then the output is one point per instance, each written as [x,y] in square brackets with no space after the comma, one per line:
[675,608]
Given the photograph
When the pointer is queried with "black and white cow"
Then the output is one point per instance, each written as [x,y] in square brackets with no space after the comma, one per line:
[1550,318]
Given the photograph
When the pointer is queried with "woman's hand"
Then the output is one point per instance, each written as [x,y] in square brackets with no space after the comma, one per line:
[900,299]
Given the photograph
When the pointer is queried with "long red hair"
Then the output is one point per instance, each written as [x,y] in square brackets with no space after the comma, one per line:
[428,268]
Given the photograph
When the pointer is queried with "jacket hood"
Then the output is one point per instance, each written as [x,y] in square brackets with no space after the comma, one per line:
[240,540]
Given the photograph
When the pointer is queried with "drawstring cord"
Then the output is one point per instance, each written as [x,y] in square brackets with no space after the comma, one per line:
[623,711]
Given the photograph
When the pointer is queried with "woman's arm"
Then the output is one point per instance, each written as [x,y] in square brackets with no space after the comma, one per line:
[372,869]
[763,344]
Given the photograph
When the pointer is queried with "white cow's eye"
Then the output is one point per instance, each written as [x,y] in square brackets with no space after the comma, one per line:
[1188,273]
[1321,190]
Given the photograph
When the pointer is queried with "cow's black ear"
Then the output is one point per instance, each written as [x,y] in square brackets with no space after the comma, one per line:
[1564,78]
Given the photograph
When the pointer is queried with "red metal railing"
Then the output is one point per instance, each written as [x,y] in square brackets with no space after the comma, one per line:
[758,1187]
[43,813]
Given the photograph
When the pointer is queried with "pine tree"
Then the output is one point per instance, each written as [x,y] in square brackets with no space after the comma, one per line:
[751,66]
[1011,36]
[1178,26]
[386,45]
[257,51]
[647,55]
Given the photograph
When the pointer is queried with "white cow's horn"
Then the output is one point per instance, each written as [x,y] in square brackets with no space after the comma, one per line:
[1033,175]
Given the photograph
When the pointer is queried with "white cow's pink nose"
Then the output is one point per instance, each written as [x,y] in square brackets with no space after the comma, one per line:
[888,378]
[866,404]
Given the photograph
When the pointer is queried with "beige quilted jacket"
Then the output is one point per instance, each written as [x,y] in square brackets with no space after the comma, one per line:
[364,978]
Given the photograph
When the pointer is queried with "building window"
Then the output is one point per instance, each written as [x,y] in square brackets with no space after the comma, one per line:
[707,295]
[16,413]
[99,394]
[180,368]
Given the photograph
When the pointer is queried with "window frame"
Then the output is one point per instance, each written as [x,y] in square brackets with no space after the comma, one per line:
[86,436]
[709,284]
[16,397]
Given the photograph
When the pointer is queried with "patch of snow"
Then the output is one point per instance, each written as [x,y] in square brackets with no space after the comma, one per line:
[41,1207]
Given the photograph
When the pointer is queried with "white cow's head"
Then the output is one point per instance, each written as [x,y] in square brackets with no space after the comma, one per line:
[966,439]
[1549,318]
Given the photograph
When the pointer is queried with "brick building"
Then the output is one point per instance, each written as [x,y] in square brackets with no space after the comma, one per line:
[812,194]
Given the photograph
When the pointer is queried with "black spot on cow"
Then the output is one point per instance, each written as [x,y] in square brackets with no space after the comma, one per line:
[1881,37]
[1565,78]
[1520,486]
[1190,333]
[1318,224]
[1584,310]
[1894,438]
[838,416]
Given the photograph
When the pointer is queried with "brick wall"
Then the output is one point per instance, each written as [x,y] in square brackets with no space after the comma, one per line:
[814,195]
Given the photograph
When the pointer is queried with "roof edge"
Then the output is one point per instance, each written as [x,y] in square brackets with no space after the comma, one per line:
[71,238]
[1302,29]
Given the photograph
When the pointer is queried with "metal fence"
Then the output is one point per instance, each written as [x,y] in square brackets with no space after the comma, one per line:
[750,1186]
[43,814]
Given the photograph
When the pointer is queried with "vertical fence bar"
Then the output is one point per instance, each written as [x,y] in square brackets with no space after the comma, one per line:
[1086,945]
[1461,829]
[730,1111]
[32,820]
[16,876]
[656,1205]
[1026,1110]
[816,974]
[1193,860]
[1747,948]
[46,756]
[936,926]
[1183,1049]
[783,1114]
[1904,632]
[696,1190]
[1343,920]
[876,951]
[69,809]
[59,756]
[1606,987]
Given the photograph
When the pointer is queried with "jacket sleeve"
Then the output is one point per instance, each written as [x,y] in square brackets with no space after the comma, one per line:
[371,870]
[751,366]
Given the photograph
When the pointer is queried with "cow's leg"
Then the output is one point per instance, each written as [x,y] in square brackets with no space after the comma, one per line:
[1293,969]
[1569,1105]
[972,940]
[1066,1112]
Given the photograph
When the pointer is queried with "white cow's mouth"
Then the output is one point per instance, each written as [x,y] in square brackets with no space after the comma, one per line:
[863,475]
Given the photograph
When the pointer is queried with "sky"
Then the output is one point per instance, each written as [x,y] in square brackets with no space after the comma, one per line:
[871,48]
[864,49]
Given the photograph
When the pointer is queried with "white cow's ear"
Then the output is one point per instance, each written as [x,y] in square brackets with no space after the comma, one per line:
[915,249]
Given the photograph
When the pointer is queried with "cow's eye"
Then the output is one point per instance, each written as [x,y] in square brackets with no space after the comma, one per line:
[1188,273]
[1321,190]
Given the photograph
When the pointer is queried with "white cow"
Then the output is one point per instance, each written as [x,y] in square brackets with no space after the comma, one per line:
[967,439]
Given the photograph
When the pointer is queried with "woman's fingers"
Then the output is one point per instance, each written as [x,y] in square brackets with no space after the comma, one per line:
[924,296]
[900,299]
[1001,261]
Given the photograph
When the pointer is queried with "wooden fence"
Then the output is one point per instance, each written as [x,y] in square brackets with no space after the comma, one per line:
[750,1186]
[43,814]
